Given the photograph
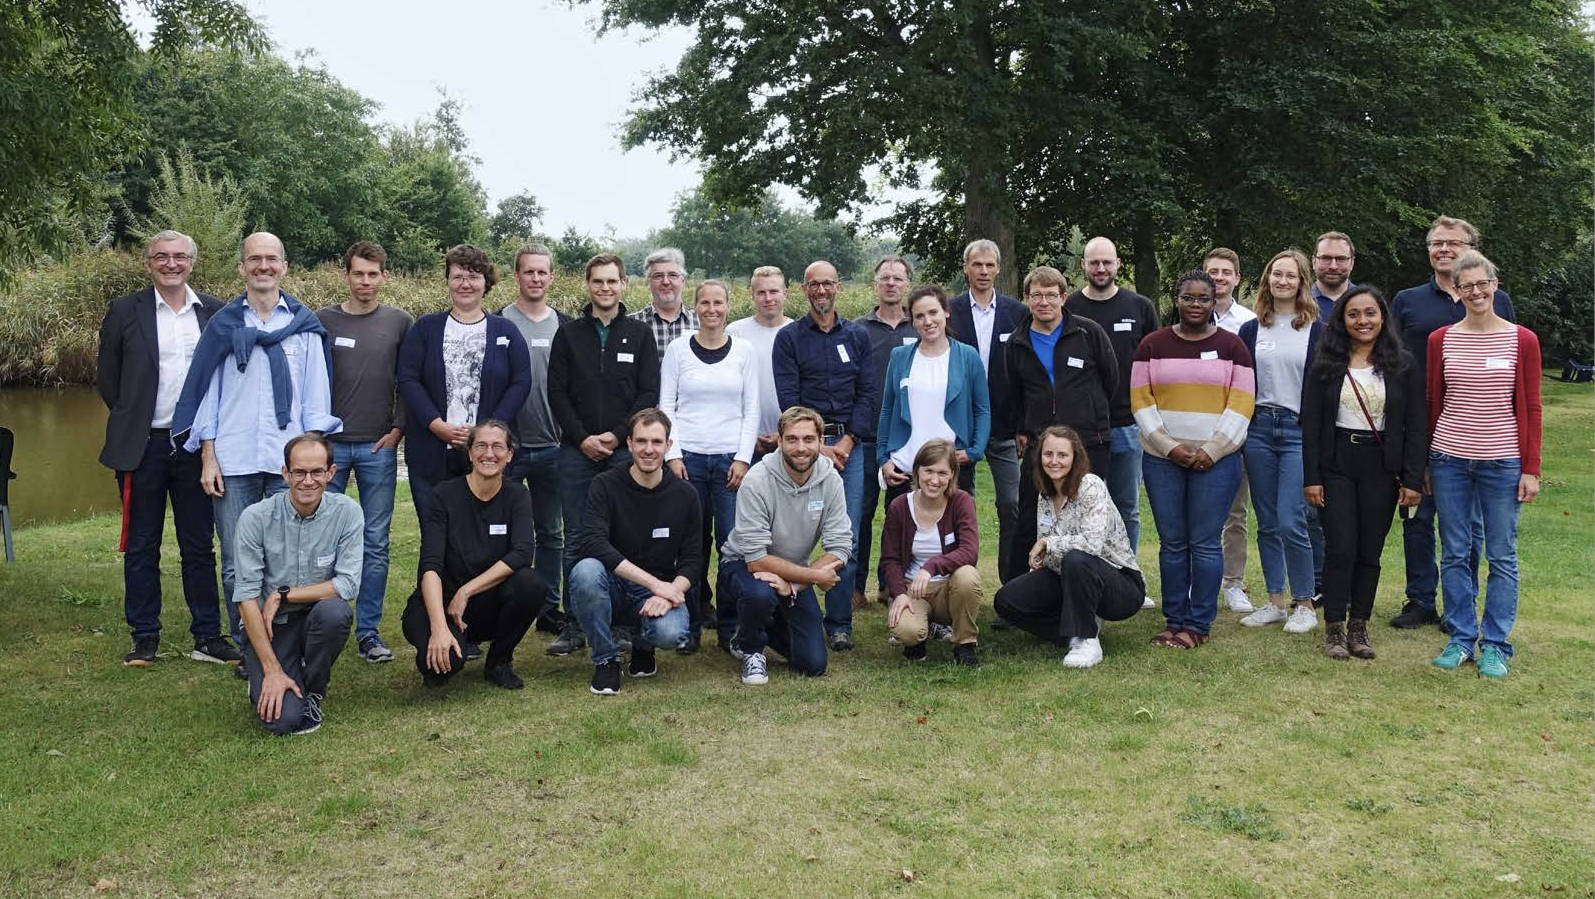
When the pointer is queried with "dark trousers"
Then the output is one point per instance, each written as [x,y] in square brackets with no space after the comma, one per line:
[1359,500]
[1024,536]
[791,625]
[305,644]
[1059,607]
[499,617]
[160,475]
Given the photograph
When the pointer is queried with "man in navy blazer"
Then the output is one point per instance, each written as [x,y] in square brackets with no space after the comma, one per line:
[147,341]
[984,319]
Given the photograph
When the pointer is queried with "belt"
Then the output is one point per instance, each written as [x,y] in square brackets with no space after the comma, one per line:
[1363,438]
[833,430]
[161,432]
[1273,410]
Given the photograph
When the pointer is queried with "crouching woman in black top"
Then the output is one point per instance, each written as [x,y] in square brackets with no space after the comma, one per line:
[477,581]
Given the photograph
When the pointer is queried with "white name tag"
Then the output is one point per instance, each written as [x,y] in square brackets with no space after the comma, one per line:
[497,529]
[289,349]
[1076,362]
[842,351]
[1265,345]
[326,560]
[661,533]
[948,540]
[343,341]
[816,505]
[1496,362]
[1210,354]
[909,340]
[1003,338]
[624,357]
[1123,326]
[541,341]
[502,341]
[903,383]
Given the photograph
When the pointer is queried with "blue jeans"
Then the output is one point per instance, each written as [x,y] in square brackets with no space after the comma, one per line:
[1274,471]
[839,599]
[239,492]
[791,625]
[375,476]
[1417,544]
[1462,486]
[1124,479]
[538,469]
[1189,508]
[576,473]
[598,596]
[707,473]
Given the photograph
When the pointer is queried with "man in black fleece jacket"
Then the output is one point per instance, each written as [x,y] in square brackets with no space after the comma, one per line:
[641,549]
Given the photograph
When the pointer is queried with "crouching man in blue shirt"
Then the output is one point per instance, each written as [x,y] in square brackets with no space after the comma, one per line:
[299,555]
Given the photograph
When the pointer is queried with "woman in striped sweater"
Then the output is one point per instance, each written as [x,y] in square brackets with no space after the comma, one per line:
[1191,391]
[1484,414]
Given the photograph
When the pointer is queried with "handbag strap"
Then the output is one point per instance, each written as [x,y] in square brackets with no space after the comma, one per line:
[1357,392]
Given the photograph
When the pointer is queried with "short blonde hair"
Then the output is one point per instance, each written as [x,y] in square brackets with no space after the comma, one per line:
[795,414]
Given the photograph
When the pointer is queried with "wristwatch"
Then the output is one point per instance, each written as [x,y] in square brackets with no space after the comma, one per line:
[282,594]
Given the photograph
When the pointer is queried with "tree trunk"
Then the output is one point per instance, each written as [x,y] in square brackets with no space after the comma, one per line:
[1144,258]
[988,213]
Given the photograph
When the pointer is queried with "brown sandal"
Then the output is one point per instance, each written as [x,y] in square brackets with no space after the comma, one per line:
[1169,639]
[1193,639]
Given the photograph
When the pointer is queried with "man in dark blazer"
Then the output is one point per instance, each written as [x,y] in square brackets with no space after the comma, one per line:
[146,344]
[984,319]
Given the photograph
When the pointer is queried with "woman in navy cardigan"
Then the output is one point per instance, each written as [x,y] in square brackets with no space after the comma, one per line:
[935,388]
[458,368]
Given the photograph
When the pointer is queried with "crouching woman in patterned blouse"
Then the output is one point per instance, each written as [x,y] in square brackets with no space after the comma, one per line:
[1082,571]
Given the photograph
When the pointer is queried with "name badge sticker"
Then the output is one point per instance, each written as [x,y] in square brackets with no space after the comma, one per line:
[842,351]
[909,340]
[1123,326]
[1265,345]
[502,341]
[541,342]
[343,341]
[1495,363]
[497,529]
[625,357]
[1210,354]
[661,533]
[903,383]
[948,540]
[816,505]
[326,560]
[1003,338]
[1076,362]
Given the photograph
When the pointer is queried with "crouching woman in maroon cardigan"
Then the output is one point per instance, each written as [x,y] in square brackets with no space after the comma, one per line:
[928,553]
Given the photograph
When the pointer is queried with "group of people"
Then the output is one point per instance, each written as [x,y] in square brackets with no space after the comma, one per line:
[577,473]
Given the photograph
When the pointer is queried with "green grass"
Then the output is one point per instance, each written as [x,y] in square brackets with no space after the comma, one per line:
[1251,767]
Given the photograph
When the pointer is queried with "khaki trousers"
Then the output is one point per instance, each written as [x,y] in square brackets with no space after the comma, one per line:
[954,601]
[1235,538]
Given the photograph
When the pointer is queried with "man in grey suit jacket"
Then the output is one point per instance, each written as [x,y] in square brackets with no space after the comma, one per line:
[146,343]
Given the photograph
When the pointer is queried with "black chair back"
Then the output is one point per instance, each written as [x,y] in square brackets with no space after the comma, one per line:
[8,442]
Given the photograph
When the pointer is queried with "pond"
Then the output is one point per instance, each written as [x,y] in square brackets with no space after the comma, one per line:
[59,435]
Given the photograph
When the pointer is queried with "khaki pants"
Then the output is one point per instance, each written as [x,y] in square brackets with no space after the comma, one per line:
[1235,539]
[954,601]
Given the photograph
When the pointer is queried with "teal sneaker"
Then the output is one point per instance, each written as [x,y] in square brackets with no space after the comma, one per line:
[1451,657]
[1492,662]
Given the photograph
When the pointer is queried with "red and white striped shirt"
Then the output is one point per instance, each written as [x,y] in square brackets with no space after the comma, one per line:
[1477,419]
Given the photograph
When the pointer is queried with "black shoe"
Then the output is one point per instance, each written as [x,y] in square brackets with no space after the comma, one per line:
[642,663]
[1413,616]
[568,641]
[143,654]
[217,650]
[470,650]
[550,622]
[606,678]
[964,656]
[503,674]
[240,673]
[915,653]
[689,644]
[1001,624]
[841,641]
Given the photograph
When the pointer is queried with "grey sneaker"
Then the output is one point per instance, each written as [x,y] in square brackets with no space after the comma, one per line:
[569,640]
[372,649]
[842,641]
[754,672]
[731,647]
[941,632]
[312,720]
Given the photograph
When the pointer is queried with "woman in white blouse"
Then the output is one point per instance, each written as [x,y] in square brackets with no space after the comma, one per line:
[1082,570]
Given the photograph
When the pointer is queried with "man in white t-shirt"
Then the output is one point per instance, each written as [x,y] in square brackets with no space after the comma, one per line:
[768,286]
[1223,265]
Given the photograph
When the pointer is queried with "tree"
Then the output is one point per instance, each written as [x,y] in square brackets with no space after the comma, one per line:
[573,249]
[210,209]
[516,218]
[733,240]
[429,197]
[66,116]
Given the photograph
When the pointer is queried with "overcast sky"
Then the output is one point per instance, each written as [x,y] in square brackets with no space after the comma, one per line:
[544,97]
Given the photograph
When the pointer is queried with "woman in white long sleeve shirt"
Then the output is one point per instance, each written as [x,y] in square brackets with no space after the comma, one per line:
[709,387]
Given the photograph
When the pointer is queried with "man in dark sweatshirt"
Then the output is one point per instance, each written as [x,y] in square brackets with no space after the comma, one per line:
[641,551]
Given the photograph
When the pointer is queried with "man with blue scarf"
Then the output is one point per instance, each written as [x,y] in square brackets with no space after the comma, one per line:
[260,377]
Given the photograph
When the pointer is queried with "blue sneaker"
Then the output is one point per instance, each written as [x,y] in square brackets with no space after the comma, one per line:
[1492,662]
[1451,657]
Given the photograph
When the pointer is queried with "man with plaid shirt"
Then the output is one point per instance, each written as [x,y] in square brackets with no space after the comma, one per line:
[665,315]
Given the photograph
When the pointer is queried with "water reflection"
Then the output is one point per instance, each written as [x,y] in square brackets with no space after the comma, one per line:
[59,435]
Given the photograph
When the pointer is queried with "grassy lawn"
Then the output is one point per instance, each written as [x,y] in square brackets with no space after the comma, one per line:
[1252,767]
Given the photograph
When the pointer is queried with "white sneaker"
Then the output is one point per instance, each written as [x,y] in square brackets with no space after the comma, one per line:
[754,672]
[1301,621]
[1148,603]
[1083,653]
[1268,614]
[1237,600]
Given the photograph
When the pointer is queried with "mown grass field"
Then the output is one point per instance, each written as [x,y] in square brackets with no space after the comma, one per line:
[1251,767]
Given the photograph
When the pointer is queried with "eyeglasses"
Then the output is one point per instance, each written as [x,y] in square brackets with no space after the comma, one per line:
[1052,295]
[1193,300]
[466,277]
[666,276]
[262,260]
[494,448]
[1333,260]
[821,285]
[1476,286]
[1449,244]
[300,475]
[164,258]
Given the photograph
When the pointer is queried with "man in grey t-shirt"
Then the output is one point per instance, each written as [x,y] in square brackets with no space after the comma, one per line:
[536,462]
[365,337]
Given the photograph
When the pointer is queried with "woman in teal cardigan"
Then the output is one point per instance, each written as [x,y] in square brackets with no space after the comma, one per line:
[935,388]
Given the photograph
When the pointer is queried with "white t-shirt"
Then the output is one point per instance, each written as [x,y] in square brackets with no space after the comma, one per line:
[463,349]
[1280,361]
[761,340]
[927,406]
[1348,414]
[926,546]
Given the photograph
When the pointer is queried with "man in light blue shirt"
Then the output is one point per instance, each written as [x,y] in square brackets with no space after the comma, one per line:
[252,407]
[299,559]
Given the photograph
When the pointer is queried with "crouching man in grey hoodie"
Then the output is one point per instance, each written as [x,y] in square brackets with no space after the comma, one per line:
[788,502]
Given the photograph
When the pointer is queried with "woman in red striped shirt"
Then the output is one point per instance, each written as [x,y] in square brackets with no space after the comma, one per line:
[1484,413]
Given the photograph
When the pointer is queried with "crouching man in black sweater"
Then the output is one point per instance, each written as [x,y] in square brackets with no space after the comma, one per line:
[640,552]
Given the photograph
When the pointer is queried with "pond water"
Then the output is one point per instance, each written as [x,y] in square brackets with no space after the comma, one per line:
[59,435]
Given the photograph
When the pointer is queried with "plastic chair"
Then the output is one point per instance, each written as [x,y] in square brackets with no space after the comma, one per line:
[7,443]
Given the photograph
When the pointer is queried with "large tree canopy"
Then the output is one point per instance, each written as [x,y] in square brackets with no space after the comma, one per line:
[1169,126]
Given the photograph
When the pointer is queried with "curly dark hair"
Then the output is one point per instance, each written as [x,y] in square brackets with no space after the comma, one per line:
[1389,357]
[472,259]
